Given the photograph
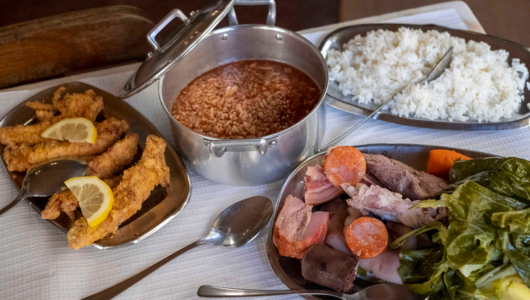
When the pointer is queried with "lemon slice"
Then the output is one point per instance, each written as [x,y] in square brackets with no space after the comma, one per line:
[75,130]
[95,198]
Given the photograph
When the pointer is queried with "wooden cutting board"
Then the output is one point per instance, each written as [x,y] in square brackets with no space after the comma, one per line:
[54,46]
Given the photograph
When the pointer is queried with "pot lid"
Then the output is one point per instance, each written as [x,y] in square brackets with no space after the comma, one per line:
[189,34]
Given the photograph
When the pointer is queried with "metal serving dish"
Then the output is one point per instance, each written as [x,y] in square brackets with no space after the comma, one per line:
[336,39]
[289,269]
[162,205]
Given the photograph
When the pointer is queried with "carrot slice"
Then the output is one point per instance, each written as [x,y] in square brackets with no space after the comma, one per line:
[344,164]
[441,160]
[366,237]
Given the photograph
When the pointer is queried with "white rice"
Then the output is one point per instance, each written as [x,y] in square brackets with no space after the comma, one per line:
[479,85]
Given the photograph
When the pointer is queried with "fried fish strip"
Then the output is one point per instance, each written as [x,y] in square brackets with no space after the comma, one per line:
[115,159]
[19,134]
[86,105]
[21,157]
[67,202]
[134,188]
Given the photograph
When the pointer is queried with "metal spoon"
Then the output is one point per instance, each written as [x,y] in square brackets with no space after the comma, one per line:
[237,225]
[48,178]
[438,70]
[384,291]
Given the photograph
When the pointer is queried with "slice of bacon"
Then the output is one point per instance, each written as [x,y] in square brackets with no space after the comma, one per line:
[318,189]
[297,228]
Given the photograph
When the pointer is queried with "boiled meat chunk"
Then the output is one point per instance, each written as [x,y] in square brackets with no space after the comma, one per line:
[404,179]
[318,189]
[391,206]
[297,228]
[384,266]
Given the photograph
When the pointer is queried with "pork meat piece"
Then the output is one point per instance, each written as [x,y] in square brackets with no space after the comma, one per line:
[297,228]
[403,179]
[391,206]
[338,212]
[318,189]
[330,268]
[384,266]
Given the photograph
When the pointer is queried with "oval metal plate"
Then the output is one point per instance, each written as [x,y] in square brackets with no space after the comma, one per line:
[336,39]
[289,269]
[162,205]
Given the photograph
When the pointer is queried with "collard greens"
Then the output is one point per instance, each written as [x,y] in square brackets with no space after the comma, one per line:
[506,176]
[487,235]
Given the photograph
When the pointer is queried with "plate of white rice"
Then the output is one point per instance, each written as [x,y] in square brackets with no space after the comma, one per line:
[484,88]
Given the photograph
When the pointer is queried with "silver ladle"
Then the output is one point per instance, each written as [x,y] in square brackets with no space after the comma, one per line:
[235,226]
[438,70]
[383,291]
[48,178]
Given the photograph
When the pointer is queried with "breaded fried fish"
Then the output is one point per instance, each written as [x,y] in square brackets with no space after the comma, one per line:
[22,157]
[67,202]
[86,105]
[115,159]
[111,162]
[134,188]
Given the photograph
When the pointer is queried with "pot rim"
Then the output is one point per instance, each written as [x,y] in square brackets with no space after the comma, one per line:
[259,27]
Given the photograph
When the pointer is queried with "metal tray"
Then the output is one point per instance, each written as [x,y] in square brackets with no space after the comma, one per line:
[162,205]
[289,269]
[336,39]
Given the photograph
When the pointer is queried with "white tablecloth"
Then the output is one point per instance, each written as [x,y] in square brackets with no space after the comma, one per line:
[36,262]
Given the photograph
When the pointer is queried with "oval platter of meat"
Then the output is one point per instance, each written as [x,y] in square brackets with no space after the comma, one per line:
[149,181]
[423,216]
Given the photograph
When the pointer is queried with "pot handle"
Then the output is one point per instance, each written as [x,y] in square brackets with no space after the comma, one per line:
[219,148]
[271,17]
[176,13]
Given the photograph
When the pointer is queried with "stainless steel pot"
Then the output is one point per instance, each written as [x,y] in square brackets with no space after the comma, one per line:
[247,161]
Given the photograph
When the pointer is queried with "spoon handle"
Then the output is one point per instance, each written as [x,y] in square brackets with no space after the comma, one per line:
[19,198]
[217,292]
[116,289]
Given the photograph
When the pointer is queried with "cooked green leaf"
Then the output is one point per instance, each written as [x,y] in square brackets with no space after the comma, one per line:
[422,270]
[516,221]
[506,176]
[462,169]
[466,289]
[520,261]
[470,237]
[475,204]
[521,242]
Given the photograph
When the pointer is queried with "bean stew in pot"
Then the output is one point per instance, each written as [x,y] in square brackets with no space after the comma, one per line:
[246,99]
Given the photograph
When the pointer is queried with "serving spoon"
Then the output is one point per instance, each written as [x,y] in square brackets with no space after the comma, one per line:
[48,178]
[235,226]
[383,291]
[436,72]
